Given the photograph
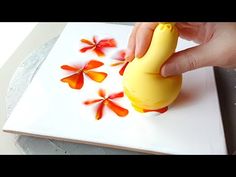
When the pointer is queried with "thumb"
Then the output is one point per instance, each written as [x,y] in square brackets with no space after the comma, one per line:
[188,59]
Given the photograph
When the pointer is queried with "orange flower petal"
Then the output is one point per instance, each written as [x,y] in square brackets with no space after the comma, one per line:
[116,95]
[98,46]
[117,109]
[162,110]
[88,102]
[116,64]
[122,70]
[99,51]
[99,113]
[75,81]
[93,64]
[96,76]
[69,68]
[102,93]
[86,41]
[84,49]
[107,43]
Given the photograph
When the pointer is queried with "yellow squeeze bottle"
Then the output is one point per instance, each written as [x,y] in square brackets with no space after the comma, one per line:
[142,82]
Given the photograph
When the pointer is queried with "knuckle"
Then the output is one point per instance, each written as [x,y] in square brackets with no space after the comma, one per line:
[191,61]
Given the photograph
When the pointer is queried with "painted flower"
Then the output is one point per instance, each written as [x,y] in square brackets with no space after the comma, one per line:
[98,46]
[107,101]
[120,56]
[76,80]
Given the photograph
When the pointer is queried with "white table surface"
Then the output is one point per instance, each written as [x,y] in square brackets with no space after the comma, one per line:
[11,36]
[16,41]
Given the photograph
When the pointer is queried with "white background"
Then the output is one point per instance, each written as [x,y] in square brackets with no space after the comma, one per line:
[11,36]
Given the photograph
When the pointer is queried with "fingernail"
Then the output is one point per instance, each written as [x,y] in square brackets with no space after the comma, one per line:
[127,54]
[169,70]
[137,53]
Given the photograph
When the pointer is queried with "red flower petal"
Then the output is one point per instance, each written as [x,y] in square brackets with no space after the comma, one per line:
[116,108]
[93,64]
[69,68]
[86,41]
[122,54]
[75,81]
[95,39]
[88,102]
[116,95]
[102,93]
[96,76]
[86,48]
[122,70]
[162,110]
[99,113]
[106,43]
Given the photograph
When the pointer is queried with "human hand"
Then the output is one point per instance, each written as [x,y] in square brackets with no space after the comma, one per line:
[216,46]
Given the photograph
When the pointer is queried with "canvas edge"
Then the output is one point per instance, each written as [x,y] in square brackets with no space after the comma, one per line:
[146,152]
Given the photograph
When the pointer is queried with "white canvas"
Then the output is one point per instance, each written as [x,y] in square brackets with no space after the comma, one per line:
[50,109]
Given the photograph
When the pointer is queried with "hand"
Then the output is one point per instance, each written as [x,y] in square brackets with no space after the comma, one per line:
[217,46]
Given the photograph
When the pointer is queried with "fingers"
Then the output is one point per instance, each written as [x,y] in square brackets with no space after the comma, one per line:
[143,38]
[131,44]
[189,59]
[199,32]
[218,49]
[140,39]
